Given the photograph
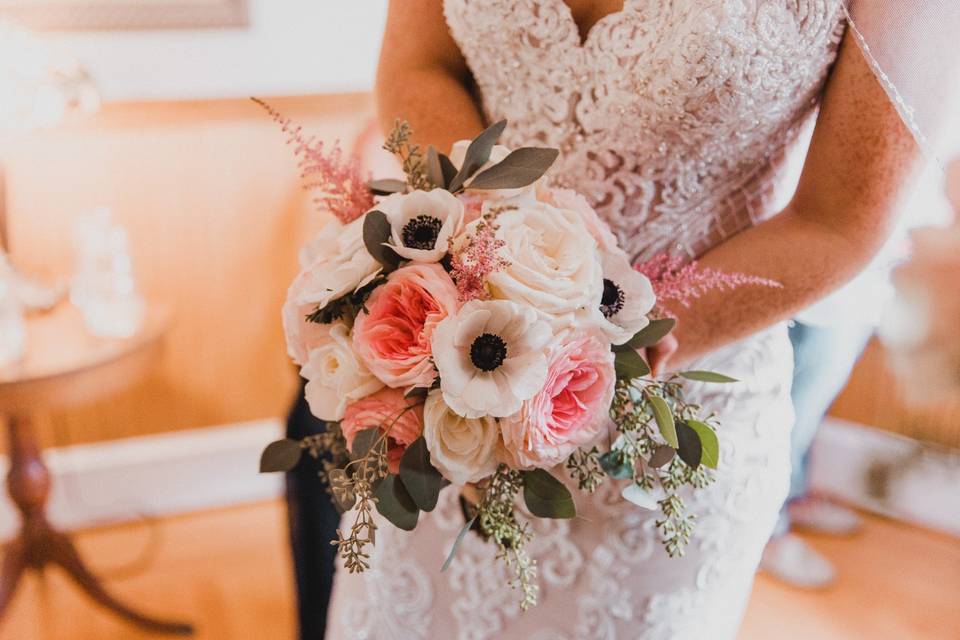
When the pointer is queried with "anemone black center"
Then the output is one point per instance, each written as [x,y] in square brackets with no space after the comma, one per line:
[421,232]
[612,301]
[488,352]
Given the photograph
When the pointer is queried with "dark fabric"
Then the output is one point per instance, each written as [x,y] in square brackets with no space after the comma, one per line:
[313,523]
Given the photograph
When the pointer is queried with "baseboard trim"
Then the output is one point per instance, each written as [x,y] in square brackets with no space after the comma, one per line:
[888,474]
[155,475]
[185,471]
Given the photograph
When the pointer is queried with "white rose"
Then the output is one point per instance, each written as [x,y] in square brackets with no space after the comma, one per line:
[337,263]
[502,196]
[335,377]
[554,262]
[463,449]
[422,223]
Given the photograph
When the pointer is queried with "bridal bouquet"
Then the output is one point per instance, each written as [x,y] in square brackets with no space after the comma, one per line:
[471,325]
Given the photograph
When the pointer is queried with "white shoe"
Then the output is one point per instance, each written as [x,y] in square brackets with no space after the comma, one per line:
[790,559]
[820,516]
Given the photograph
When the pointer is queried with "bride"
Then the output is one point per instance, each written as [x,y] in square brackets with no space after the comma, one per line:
[678,119]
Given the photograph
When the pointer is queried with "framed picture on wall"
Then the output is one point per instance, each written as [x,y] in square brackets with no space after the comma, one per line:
[86,15]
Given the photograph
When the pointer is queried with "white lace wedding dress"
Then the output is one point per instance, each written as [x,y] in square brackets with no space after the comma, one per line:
[674,118]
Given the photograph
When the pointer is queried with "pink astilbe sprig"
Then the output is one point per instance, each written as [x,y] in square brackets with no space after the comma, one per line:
[338,181]
[471,264]
[682,282]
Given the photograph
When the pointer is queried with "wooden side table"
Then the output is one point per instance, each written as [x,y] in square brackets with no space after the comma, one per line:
[64,366]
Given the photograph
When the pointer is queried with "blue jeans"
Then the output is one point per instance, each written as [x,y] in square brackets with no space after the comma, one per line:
[823,359]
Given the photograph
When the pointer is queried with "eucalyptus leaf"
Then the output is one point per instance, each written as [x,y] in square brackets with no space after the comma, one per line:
[664,419]
[630,365]
[522,167]
[662,456]
[282,455]
[395,504]
[386,186]
[650,335]
[434,170]
[421,479]
[344,497]
[376,233]
[707,376]
[363,441]
[547,497]
[447,169]
[417,392]
[708,442]
[639,496]
[477,154]
[690,450]
[613,464]
[456,543]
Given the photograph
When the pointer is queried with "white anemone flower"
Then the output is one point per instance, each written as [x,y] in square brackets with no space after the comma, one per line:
[627,299]
[491,356]
[422,223]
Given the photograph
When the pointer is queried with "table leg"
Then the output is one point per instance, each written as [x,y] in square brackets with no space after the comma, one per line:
[40,544]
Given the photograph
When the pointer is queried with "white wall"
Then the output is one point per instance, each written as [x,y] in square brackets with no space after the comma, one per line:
[291,47]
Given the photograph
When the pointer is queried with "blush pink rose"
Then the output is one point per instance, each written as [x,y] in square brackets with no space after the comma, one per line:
[387,410]
[572,408]
[573,201]
[392,337]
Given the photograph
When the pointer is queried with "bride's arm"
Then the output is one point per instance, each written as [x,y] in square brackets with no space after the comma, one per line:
[860,161]
[422,77]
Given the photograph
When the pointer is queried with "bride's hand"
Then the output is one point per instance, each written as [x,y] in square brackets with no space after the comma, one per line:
[658,356]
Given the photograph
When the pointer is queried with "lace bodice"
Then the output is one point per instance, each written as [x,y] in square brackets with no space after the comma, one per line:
[672,116]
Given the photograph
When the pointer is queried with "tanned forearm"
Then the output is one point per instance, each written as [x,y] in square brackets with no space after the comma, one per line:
[861,159]
[422,77]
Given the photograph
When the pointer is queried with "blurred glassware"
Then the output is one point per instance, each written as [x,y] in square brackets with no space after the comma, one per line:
[39,85]
[13,329]
[103,285]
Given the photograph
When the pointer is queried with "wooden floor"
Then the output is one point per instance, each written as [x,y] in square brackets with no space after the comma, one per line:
[226,571]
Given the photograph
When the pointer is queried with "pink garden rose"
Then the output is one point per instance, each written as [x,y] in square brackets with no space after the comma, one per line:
[392,337]
[386,409]
[570,410]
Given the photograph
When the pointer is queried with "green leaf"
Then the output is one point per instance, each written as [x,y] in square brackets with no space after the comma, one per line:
[386,186]
[650,335]
[282,455]
[662,456]
[664,418]
[522,167]
[477,154]
[613,464]
[363,441]
[447,168]
[376,232]
[417,392]
[421,479]
[707,376]
[545,496]
[708,442]
[395,504]
[434,170]
[639,496]
[689,448]
[456,543]
[629,365]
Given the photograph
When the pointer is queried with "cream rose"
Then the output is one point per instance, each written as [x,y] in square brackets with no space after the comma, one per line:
[554,264]
[335,377]
[463,449]
[337,263]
